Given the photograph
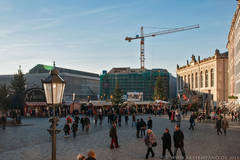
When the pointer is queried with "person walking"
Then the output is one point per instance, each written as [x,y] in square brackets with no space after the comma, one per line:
[178,138]
[166,143]
[150,141]
[96,119]
[126,119]
[74,128]
[133,119]
[114,137]
[119,120]
[219,125]
[87,123]
[191,121]
[178,119]
[149,123]
[76,118]
[91,155]
[4,121]
[66,130]
[138,127]
[100,118]
[172,116]
[225,125]
[143,127]
[82,121]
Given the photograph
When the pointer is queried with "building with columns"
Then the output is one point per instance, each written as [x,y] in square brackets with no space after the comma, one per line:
[207,76]
[233,46]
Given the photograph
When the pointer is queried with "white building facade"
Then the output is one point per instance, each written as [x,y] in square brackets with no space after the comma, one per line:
[233,46]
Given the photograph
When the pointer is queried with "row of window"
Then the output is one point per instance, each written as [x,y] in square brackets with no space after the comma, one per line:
[188,80]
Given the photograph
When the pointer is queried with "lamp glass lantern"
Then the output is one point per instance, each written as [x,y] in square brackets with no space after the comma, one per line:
[54,87]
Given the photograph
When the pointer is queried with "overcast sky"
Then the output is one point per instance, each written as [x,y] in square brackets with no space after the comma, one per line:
[89,35]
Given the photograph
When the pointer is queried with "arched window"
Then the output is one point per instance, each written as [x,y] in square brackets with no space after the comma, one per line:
[201,79]
[206,78]
[196,80]
[212,77]
[192,84]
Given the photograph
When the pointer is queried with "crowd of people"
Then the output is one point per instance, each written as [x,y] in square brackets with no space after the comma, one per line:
[143,129]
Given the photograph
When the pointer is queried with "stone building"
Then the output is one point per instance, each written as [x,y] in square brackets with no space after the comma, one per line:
[207,76]
[233,46]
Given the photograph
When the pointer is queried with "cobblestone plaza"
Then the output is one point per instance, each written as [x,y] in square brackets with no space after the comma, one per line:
[33,141]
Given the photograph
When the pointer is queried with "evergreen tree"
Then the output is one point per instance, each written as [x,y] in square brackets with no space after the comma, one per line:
[117,96]
[18,89]
[18,83]
[4,97]
[160,92]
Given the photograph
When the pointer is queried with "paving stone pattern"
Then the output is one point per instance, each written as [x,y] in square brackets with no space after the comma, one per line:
[34,143]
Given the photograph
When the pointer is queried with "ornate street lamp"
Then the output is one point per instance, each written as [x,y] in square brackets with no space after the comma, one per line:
[54,88]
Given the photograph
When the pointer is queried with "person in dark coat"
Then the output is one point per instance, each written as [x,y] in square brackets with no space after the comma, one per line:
[166,143]
[113,135]
[133,119]
[126,119]
[76,118]
[87,123]
[191,121]
[119,120]
[4,121]
[66,129]
[82,121]
[178,138]
[74,128]
[149,123]
[219,125]
[138,127]
[143,127]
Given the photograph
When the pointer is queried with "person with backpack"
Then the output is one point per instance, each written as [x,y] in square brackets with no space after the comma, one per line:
[150,142]
[166,143]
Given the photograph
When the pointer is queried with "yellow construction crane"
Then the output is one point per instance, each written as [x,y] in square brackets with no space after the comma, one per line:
[142,36]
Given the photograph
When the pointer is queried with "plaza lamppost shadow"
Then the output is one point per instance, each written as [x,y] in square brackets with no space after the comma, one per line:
[54,87]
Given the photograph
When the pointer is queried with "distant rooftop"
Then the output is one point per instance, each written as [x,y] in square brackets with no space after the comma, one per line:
[217,55]
[128,70]
[40,68]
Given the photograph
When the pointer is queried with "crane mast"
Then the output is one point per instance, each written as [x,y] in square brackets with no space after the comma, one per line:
[142,50]
[143,36]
